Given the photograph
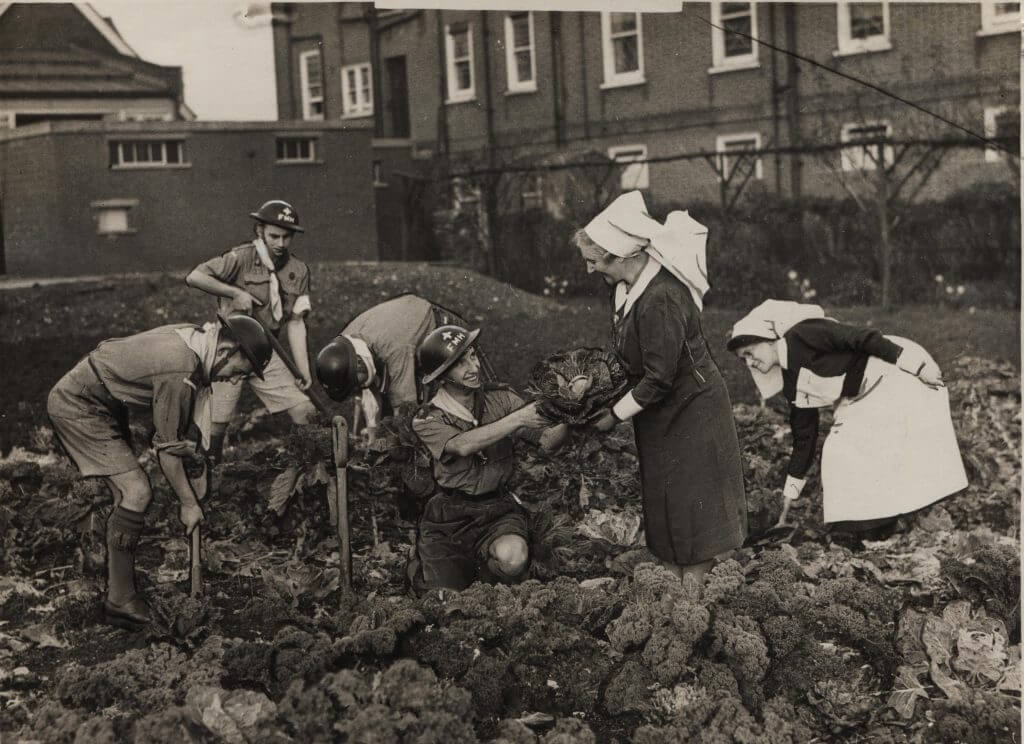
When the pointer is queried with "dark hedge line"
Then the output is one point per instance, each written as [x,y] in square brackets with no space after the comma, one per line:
[971,239]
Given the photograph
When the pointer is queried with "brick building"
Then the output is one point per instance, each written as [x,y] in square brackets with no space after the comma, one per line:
[493,88]
[103,197]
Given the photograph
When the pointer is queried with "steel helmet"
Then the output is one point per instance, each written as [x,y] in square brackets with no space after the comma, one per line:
[280,213]
[251,338]
[337,369]
[442,348]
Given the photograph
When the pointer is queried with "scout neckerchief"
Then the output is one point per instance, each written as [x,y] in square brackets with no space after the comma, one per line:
[275,287]
[447,403]
[370,405]
[202,341]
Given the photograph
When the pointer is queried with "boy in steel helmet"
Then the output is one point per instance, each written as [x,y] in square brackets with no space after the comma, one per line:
[375,355]
[168,370]
[472,527]
[263,279]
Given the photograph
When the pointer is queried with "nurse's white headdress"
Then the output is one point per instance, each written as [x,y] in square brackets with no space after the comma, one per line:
[624,228]
[769,321]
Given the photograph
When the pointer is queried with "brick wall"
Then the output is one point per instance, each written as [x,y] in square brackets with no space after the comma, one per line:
[53,173]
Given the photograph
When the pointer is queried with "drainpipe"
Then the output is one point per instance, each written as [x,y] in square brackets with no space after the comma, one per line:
[581,17]
[442,111]
[776,90]
[793,103]
[491,195]
[376,71]
[557,84]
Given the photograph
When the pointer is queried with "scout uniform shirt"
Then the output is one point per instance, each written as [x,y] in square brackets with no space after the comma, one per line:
[823,361]
[153,370]
[482,472]
[393,329]
[242,268]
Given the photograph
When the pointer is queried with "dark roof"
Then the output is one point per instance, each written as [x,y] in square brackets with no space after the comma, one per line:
[26,72]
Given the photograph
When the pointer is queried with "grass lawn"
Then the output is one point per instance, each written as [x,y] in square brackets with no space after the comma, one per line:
[45,330]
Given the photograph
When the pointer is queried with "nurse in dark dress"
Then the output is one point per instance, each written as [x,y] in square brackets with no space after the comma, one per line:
[691,480]
[891,449]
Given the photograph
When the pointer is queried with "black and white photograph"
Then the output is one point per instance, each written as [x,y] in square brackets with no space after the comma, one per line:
[513,372]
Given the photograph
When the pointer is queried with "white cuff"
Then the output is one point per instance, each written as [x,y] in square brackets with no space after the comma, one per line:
[911,360]
[791,491]
[301,306]
[627,407]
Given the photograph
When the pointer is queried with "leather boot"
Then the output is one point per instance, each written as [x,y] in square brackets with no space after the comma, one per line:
[123,531]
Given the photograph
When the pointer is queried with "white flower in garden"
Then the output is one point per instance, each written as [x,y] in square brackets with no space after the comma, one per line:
[971,310]
[792,275]
[805,283]
[961,289]
[547,291]
[949,289]
[812,294]
[938,278]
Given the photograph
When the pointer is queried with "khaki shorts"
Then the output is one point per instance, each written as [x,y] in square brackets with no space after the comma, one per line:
[92,428]
[277,391]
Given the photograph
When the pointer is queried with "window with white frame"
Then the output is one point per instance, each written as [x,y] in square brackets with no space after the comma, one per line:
[356,90]
[873,152]
[636,174]
[862,27]
[999,18]
[1002,123]
[622,44]
[459,54]
[533,191]
[733,166]
[8,120]
[113,216]
[311,82]
[147,153]
[296,149]
[728,47]
[519,52]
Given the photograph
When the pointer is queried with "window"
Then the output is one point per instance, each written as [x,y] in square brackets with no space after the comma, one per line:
[1003,123]
[378,174]
[866,157]
[533,191]
[356,90]
[863,27]
[519,53]
[729,50]
[113,216]
[728,162]
[147,153]
[623,46]
[296,149]
[8,120]
[144,116]
[999,18]
[312,85]
[635,175]
[459,53]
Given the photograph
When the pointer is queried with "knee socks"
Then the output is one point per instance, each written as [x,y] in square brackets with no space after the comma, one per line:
[123,531]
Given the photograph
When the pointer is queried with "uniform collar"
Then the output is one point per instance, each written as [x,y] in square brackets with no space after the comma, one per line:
[626,297]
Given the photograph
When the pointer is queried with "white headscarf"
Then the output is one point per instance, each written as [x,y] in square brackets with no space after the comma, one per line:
[370,406]
[624,228]
[771,320]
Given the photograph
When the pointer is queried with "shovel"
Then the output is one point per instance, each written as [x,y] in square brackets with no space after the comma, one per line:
[200,487]
[340,451]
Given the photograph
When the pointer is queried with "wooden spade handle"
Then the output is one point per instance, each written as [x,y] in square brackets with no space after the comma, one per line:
[340,447]
[196,564]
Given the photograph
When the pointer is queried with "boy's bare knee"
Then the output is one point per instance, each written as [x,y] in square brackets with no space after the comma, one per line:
[131,490]
[511,553]
[302,413]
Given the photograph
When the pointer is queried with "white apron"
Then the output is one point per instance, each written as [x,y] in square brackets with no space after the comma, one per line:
[891,450]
